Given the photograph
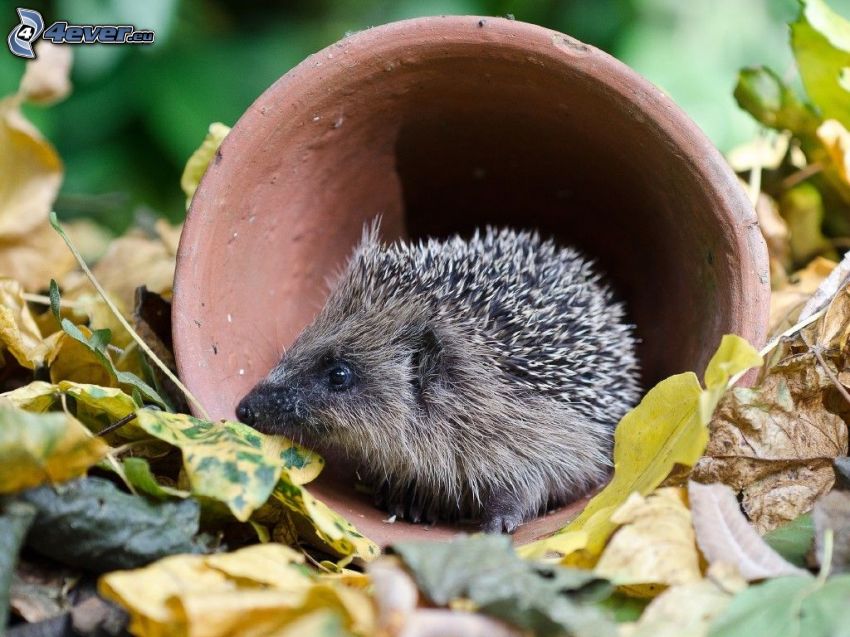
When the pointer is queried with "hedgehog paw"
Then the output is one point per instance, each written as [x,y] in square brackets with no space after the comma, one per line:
[501,523]
[502,514]
[404,503]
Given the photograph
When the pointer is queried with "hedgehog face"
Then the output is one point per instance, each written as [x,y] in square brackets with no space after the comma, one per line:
[345,382]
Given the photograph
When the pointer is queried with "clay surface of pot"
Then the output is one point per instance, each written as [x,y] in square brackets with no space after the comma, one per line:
[442,125]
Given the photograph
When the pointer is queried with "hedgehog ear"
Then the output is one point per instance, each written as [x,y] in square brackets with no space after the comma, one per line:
[428,360]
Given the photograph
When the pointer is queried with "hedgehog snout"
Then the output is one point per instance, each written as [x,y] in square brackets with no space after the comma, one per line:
[263,407]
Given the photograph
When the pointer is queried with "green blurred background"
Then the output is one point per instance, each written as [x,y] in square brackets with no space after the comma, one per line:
[137,113]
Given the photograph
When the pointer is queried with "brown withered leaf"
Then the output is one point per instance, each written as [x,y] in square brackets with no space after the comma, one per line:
[47,78]
[832,512]
[774,229]
[152,321]
[787,300]
[725,536]
[19,333]
[775,443]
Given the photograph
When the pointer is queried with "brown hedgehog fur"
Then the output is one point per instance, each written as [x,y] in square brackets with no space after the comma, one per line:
[476,378]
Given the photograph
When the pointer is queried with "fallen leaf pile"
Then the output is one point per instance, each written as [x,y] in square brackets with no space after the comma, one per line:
[728,512]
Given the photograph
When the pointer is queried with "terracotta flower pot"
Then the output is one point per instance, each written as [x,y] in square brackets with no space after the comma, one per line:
[442,125]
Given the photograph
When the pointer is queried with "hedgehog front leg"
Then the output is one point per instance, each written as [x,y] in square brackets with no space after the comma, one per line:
[503,512]
[406,502]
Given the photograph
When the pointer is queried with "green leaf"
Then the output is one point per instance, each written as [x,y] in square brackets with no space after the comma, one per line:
[225,461]
[90,524]
[548,600]
[788,607]
[319,524]
[97,343]
[793,540]
[623,608]
[765,96]
[55,300]
[15,520]
[820,39]
[138,473]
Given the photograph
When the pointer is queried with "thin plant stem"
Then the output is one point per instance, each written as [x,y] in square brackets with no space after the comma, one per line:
[45,300]
[54,221]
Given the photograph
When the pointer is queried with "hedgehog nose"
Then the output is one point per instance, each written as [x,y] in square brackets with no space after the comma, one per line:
[245,413]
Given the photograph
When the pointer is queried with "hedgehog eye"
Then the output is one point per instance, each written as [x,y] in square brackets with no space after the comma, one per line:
[340,376]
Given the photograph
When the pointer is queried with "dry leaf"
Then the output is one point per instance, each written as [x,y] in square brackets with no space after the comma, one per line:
[775,443]
[833,512]
[788,301]
[837,279]
[776,235]
[19,334]
[836,140]
[724,535]
[30,175]
[258,590]
[40,448]
[655,545]
[47,78]
[35,258]
[131,261]
[688,609]
[91,239]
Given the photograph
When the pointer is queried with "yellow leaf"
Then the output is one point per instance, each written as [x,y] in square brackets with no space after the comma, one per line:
[666,429]
[39,448]
[836,140]
[72,361]
[259,590]
[734,355]
[226,461]
[321,525]
[19,334]
[38,396]
[110,400]
[201,158]
[99,407]
[30,175]
[689,609]
[655,546]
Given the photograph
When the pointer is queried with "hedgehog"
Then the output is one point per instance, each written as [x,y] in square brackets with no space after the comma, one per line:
[473,380]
